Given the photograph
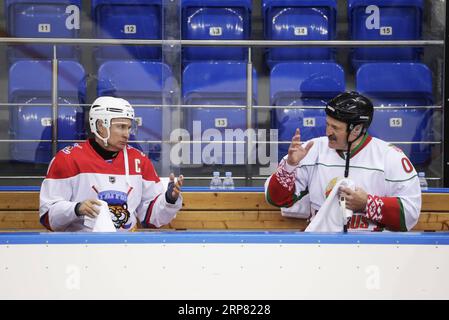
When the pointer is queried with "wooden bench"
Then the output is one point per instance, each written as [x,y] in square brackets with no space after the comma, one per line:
[208,210]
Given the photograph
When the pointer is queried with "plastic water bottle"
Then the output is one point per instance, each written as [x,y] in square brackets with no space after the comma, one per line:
[215,183]
[422,181]
[228,183]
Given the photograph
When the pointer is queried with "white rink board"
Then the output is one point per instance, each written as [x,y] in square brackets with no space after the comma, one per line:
[229,270]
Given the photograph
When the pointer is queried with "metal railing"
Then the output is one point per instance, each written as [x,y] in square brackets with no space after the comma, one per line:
[225,43]
[194,106]
[206,43]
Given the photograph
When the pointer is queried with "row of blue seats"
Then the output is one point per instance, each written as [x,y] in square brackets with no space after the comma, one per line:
[222,20]
[205,83]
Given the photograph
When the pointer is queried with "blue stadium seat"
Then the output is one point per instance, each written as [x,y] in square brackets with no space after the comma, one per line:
[31,82]
[299,20]
[40,19]
[302,84]
[140,82]
[127,19]
[216,20]
[217,83]
[400,84]
[398,20]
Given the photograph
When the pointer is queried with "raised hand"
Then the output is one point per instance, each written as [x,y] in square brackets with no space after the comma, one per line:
[296,152]
[174,188]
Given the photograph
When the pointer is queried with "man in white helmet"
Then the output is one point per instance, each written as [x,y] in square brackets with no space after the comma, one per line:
[106,168]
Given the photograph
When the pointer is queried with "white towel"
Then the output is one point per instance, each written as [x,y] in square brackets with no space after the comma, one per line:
[103,222]
[301,209]
[333,215]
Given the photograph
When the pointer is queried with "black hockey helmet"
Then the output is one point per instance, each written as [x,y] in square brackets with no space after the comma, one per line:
[351,108]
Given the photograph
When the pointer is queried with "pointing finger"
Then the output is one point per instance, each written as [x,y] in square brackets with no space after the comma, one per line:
[176,190]
[180,181]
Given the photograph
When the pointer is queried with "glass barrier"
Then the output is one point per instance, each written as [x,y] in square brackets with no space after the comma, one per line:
[203,106]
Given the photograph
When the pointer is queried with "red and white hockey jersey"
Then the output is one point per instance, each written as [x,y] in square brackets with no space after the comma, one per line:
[78,173]
[379,168]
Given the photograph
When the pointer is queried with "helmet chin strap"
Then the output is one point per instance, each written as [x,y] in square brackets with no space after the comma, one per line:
[348,151]
[105,140]
[347,159]
[348,156]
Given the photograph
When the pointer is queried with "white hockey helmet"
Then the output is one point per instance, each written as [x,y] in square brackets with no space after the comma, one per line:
[105,109]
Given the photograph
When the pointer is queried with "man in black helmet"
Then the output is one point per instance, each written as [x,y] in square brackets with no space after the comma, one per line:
[387,193]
